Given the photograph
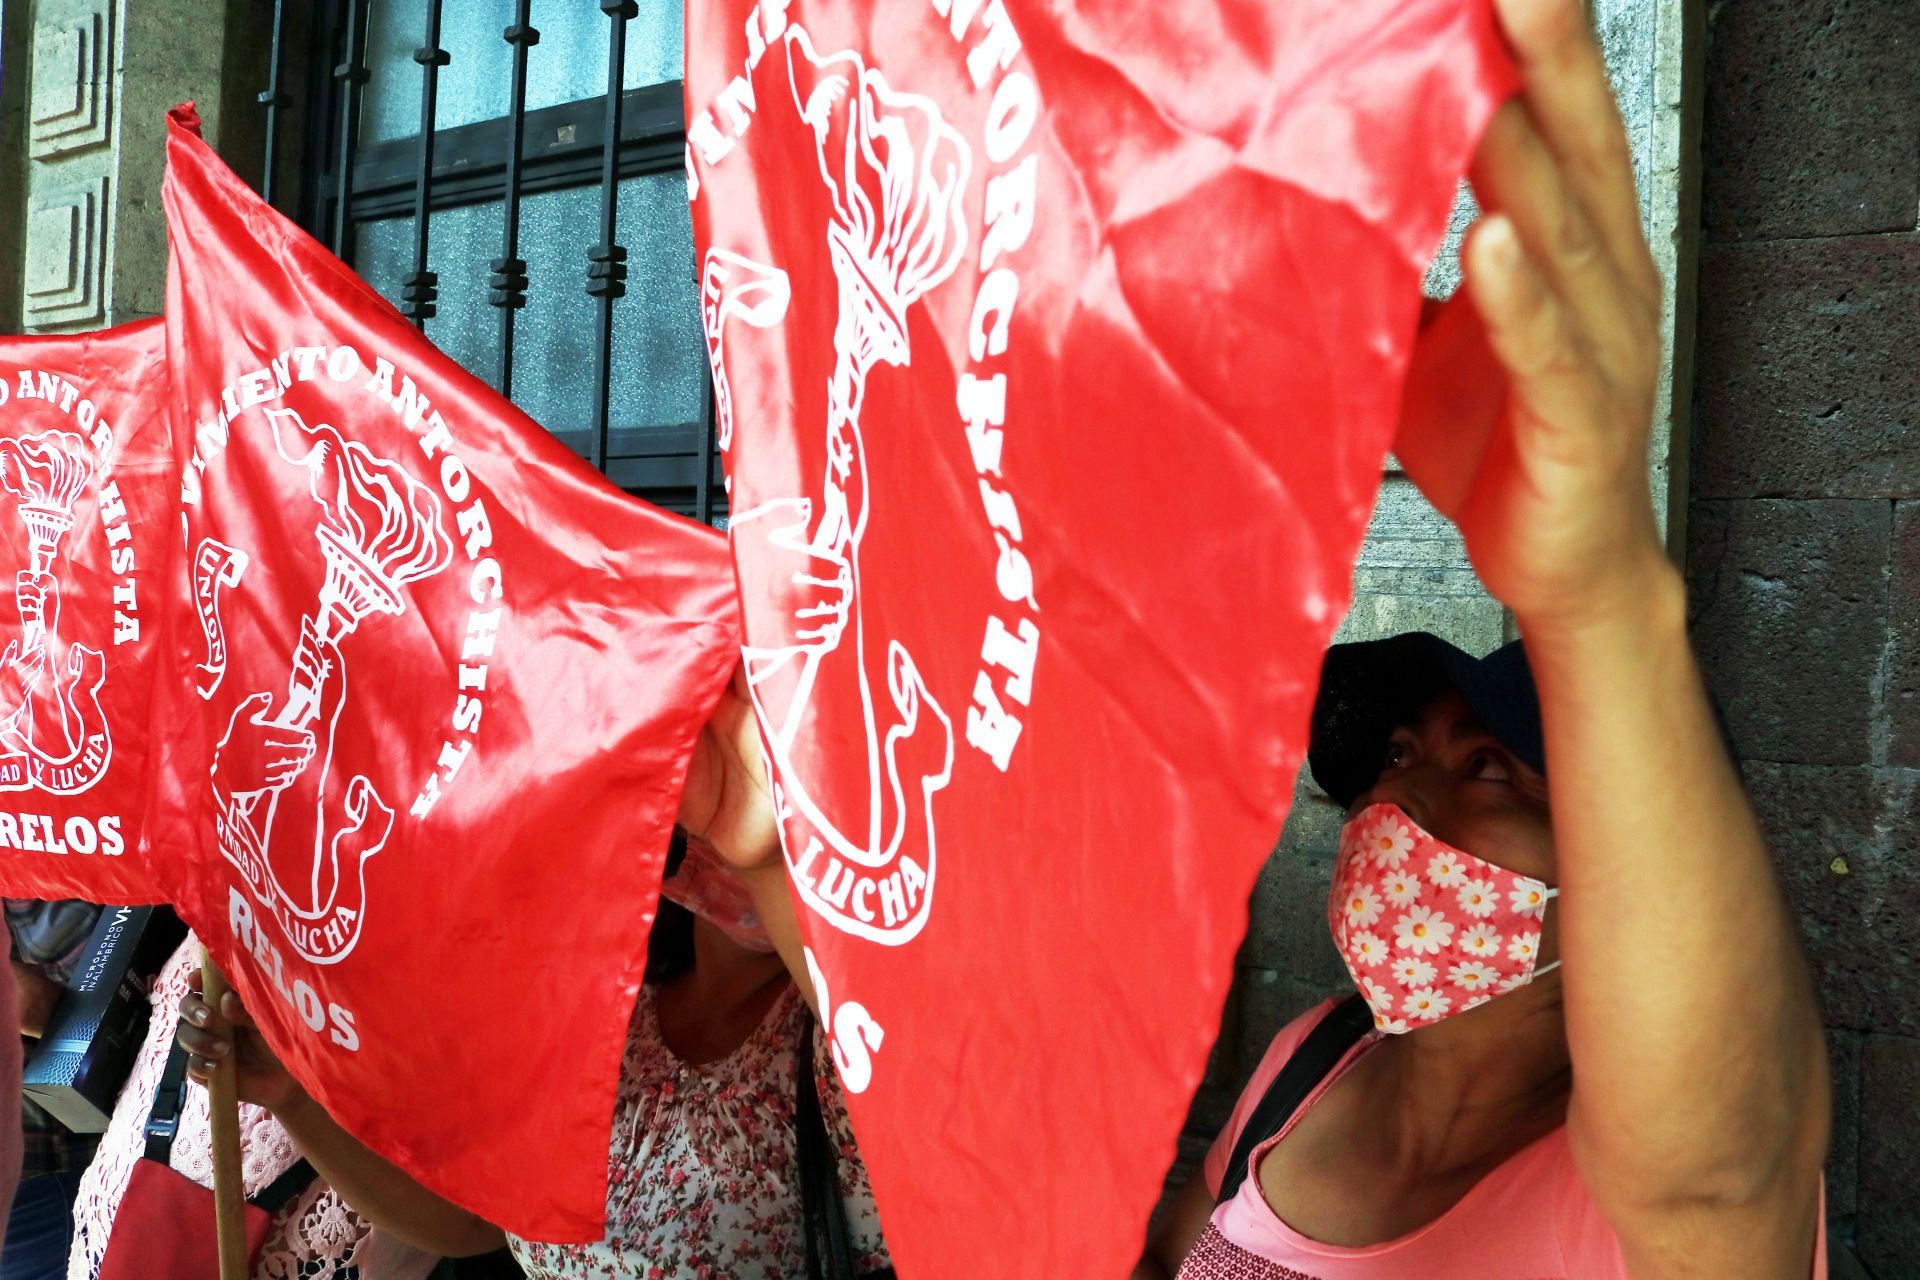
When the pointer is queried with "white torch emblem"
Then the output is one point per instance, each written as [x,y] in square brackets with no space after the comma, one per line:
[379,530]
[895,173]
[53,734]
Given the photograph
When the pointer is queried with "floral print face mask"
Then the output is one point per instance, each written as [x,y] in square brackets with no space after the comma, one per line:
[1426,930]
[714,891]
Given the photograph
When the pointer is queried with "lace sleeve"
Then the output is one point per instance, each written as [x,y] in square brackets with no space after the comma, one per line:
[317,1237]
[105,1180]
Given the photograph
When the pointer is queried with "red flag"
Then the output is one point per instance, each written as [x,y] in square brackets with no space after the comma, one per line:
[464,676]
[1060,347]
[88,525]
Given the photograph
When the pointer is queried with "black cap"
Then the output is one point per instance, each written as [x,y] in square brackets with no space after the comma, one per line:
[1370,688]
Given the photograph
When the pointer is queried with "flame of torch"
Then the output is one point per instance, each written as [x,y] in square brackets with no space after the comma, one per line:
[47,472]
[731,285]
[379,530]
[896,172]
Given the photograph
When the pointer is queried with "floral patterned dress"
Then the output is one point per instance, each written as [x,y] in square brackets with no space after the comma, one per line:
[703,1179]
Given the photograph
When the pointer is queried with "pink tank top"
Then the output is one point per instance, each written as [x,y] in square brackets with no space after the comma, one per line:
[1529,1219]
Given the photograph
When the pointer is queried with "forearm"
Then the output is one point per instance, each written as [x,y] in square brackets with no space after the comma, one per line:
[379,1191]
[1698,1057]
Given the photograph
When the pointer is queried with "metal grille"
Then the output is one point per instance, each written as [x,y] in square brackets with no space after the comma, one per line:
[458,155]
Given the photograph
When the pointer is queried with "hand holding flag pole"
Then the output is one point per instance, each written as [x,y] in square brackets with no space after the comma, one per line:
[223,1099]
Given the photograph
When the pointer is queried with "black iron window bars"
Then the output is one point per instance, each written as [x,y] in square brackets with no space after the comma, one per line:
[619,135]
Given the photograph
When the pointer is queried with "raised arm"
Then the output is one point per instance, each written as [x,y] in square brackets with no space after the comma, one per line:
[374,1188]
[1700,1109]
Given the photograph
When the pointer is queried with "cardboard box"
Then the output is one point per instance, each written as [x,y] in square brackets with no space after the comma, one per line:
[77,1070]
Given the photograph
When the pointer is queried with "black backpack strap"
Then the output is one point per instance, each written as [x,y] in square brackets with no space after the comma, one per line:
[829,1251]
[1309,1064]
[823,1215]
[282,1190]
[163,1125]
[163,1121]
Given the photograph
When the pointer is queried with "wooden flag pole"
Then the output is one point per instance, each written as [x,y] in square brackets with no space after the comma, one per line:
[223,1096]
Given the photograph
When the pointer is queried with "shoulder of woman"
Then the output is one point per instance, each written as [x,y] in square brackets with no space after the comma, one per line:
[1287,1039]
[1279,1049]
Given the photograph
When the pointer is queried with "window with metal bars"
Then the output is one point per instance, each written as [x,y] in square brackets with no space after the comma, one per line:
[510,174]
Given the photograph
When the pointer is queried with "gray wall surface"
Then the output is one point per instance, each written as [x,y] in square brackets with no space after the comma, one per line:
[1804,556]
[84,90]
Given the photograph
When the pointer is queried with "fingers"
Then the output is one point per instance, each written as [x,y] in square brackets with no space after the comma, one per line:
[1517,175]
[201,1032]
[1569,94]
[287,755]
[235,1012]
[195,1010]
[205,1049]
[1554,381]
[205,1044]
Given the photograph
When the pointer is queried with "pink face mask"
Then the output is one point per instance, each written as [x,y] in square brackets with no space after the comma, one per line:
[708,887]
[1426,930]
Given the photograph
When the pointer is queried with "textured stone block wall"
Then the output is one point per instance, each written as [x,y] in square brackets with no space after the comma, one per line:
[1804,555]
[84,90]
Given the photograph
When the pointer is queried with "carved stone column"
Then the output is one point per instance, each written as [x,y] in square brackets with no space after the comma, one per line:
[86,89]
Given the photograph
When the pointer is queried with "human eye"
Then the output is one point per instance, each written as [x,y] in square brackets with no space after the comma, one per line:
[1395,757]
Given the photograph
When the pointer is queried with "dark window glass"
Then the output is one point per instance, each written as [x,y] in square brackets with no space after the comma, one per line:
[659,406]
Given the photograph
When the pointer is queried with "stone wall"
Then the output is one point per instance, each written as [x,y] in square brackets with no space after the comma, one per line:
[84,90]
[1805,543]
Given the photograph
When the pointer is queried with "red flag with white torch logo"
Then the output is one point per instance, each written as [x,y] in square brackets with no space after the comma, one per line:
[1057,348]
[462,678]
[88,525]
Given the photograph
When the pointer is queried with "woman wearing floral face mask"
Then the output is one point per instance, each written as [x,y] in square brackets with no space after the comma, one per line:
[1585,1043]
